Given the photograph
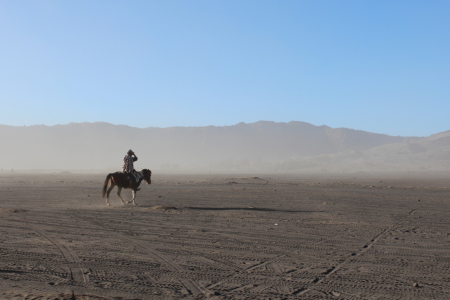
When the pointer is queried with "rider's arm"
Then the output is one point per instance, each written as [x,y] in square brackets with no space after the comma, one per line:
[135,158]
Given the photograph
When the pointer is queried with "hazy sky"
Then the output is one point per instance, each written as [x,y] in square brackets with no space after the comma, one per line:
[380,66]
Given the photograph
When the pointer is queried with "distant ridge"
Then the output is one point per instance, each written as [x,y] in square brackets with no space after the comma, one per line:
[260,146]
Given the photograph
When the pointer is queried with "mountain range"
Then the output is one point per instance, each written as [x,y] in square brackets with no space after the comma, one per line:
[256,147]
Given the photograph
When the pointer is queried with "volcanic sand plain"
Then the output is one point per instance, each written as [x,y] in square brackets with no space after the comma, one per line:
[320,236]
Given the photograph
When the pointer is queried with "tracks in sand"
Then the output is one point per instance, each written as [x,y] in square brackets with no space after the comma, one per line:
[192,287]
[78,273]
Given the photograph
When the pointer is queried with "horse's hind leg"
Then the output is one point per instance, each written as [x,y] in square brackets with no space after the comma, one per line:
[109,191]
[118,194]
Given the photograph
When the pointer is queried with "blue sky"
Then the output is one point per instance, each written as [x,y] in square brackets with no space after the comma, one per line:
[379,66]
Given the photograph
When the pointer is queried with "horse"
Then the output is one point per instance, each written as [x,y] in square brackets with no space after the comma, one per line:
[123,181]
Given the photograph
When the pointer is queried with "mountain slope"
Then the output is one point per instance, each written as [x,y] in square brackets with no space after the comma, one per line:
[253,146]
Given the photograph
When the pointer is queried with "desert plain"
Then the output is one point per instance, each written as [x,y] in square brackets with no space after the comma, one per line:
[311,236]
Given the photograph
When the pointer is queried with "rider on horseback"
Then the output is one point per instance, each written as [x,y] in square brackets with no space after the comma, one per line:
[128,167]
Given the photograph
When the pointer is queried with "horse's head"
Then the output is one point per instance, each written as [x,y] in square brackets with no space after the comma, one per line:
[147,175]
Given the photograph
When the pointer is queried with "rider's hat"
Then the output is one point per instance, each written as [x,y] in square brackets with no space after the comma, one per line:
[130,151]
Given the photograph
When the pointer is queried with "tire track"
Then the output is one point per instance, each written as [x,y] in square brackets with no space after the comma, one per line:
[244,271]
[80,275]
[334,269]
[364,249]
[192,286]
[77,273]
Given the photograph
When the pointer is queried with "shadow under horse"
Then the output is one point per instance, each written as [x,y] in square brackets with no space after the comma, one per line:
[124,181]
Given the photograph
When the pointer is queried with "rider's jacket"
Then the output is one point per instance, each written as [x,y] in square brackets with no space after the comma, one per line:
[128,163]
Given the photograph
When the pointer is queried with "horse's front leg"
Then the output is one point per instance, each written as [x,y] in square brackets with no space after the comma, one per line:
[118,194]
[133,193]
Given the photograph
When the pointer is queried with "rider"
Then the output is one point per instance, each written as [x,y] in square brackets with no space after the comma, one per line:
[128,167]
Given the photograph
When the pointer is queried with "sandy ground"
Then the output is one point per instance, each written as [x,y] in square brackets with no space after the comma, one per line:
[357,236]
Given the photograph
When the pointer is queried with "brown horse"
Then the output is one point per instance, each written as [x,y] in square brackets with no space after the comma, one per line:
[123,181]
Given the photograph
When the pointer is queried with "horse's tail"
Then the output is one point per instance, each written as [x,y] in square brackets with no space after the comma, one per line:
[105,185]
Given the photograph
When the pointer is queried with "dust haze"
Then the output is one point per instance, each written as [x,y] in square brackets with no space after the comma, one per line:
[261,147]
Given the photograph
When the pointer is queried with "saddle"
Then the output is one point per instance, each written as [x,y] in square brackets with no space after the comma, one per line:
[133,177]
[129,177]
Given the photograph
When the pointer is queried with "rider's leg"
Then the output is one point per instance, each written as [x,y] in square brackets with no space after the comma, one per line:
[132,179]
[135,183]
